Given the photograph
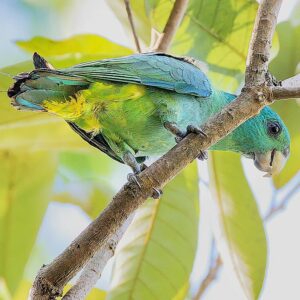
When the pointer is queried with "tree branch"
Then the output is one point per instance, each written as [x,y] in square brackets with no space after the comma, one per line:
[280,92]
[53,277]
[280,207]
[209,278]
[261,42]
[94,268]
[172,24]
[130,18]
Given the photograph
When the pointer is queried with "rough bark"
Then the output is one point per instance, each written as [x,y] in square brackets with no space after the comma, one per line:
[261,42]
[94,268]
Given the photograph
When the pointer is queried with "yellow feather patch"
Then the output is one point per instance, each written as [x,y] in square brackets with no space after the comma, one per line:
[103,91]
[70,109]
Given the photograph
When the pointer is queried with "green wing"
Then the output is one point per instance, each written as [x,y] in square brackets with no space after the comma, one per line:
[150,69]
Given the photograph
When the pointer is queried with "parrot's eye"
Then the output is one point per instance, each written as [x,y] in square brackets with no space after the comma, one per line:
[274,128]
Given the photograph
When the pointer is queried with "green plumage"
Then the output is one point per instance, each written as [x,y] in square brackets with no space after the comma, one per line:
[123,104]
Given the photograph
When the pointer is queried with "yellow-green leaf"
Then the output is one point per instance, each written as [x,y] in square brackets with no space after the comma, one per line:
[94,173]
[289,112]
[24,288]
[284,66]
[241,239]
[25,185]
[155,257]
[78,44]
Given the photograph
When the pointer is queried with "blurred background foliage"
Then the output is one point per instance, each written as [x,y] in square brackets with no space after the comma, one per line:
[44,162]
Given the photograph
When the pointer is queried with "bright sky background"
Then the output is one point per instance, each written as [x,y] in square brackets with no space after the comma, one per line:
[58,231]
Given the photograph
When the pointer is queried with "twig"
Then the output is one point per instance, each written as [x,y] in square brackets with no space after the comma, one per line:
[209,278]
[53,277]
[261,42]
[94,268]
[130,18]
[172,24]
[283,203]
[216,265]
[280,92]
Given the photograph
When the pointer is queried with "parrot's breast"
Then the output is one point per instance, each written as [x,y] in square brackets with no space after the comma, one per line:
[134,115]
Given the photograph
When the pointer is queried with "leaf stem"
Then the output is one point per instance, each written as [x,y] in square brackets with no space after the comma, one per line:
[130,18]
[172,25]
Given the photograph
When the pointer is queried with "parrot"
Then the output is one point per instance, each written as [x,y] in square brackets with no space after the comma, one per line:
[141,105]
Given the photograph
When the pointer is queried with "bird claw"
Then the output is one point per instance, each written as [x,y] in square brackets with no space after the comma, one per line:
[196,130]
[156,193]
[133,179]
[178,139]
[190,129]
[203,155]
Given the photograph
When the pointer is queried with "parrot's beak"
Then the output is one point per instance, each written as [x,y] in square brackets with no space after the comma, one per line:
[271,162]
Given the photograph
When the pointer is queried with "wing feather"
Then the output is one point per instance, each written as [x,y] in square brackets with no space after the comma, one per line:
[150,69]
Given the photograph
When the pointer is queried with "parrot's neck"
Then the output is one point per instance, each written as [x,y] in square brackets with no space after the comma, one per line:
[230,142]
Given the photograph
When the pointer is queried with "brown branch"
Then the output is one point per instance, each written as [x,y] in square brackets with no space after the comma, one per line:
[94,268]
[261,42]
[53,277]
[130,18]
[172,24]
[280,92]
[280,207]
[209,278]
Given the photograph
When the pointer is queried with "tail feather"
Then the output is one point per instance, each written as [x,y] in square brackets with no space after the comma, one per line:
[30,90]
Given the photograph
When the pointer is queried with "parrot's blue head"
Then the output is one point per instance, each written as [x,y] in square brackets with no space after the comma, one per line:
[267,141]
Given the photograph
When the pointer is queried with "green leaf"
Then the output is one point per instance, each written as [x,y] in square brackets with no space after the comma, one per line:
[284,66]
[285,63]
[85,166]
[216,32]
[242,241]
[155,257]
[94,174]
[96,294]
[24,288]
[25,185]
[78,44]
[22,291]
[289,111]
[35,130]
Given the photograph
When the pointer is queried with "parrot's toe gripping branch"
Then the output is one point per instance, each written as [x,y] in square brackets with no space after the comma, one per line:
[130,160]
[179,134]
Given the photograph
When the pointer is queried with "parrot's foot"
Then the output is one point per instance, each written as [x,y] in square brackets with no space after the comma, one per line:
[131,177]
[196,130]
[173,128]
[193,129]
[130,160]
[156,192]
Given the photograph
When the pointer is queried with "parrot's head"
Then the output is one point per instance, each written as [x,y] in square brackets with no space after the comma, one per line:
[266,140]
